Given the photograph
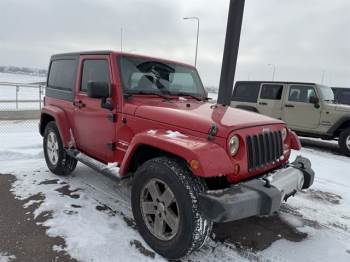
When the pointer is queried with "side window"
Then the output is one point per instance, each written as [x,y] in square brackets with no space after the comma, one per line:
[246,92]
[301,94]
[345,97]
[62,74]
[272,92]
[95,71]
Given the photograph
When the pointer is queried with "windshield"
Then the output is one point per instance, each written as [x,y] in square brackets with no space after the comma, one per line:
[147,76]
[327,93]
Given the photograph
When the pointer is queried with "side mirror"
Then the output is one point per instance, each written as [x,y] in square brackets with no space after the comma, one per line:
[315,100]
[98,90]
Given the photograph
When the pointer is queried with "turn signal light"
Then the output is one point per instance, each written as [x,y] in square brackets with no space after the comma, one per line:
[194,164]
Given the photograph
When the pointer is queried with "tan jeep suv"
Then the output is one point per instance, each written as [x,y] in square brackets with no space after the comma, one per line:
[307,108]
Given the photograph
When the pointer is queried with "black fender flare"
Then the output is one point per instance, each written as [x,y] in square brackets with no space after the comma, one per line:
[338,124]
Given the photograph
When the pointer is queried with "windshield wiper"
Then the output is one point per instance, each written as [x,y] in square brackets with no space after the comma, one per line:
[129,94]
[190,95]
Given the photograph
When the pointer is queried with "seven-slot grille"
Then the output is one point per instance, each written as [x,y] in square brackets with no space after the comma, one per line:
[263,149]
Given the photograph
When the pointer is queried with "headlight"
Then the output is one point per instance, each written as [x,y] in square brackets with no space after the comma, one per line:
[284,134]
[233,145]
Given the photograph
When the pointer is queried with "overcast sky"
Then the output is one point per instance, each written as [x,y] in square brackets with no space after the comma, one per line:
[302,38]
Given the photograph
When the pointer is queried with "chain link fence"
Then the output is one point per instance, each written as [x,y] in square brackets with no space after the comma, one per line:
[20,105]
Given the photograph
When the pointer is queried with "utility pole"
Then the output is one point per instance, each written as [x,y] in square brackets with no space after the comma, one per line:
[323,76]
[274,71]
[197,19]
[229,60]
[121,39]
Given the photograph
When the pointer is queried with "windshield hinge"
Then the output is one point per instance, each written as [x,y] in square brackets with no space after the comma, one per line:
[112,118]
[112,146]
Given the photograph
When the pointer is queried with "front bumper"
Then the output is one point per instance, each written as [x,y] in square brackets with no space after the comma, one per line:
[262,196]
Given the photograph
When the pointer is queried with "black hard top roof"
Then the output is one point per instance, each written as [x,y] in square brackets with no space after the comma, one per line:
[277,82]
[74,54]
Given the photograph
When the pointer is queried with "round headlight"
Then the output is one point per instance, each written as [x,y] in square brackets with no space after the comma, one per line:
[234,145]
[284,134]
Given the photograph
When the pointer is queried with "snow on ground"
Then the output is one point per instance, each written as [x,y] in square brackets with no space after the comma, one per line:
[93,214]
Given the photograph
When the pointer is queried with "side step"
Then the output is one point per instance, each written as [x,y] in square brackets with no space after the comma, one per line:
[98,166]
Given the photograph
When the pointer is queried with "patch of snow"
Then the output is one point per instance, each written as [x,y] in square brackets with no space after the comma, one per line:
[152,132]
[113,167]
[4,257]
[58,248]
[174,134]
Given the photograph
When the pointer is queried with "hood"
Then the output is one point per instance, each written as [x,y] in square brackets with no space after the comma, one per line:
[199,116]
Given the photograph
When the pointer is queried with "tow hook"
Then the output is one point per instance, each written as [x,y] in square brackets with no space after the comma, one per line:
[291,194]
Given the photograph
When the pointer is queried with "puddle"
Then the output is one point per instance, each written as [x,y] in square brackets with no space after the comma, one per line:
[256,233]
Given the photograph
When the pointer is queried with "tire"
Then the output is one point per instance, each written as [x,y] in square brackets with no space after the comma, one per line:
[344,141]
[192,228]
[56,158]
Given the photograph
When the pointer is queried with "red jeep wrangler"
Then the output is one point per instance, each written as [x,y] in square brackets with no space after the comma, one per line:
[190,162]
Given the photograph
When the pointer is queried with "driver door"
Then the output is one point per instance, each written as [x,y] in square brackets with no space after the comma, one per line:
[94,131]
[298,111]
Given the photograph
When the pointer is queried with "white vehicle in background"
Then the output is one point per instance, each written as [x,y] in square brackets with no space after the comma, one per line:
[308,108]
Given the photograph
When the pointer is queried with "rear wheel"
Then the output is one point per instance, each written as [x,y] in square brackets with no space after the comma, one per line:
[165,207]
[56,158]
[344,141]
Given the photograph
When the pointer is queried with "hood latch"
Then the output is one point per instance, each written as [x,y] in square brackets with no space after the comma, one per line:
[212,131]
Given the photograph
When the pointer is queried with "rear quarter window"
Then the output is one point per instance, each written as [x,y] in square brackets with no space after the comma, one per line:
[344,97]
[62,74]
[246,92]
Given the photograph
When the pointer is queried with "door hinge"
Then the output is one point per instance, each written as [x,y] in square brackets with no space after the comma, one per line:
[112,118]
[112,146]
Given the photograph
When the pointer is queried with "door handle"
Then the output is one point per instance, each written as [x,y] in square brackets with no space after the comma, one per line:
[289,106]
[263,103]
[79,104]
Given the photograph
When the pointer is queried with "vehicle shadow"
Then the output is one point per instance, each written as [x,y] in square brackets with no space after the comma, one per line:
[259,233]
[326,146]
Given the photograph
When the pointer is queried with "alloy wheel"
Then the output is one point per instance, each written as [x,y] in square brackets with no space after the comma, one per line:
[160,209]
[52,148]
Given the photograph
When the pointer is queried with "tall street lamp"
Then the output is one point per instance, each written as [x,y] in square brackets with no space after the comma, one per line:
[273,72]
[197,19]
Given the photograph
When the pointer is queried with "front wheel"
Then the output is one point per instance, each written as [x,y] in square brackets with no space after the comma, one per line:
[56,158]
[165,207]
[344,141]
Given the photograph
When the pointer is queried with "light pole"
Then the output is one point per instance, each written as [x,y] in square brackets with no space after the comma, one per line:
[195,18]
[274,71]
[323,76]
